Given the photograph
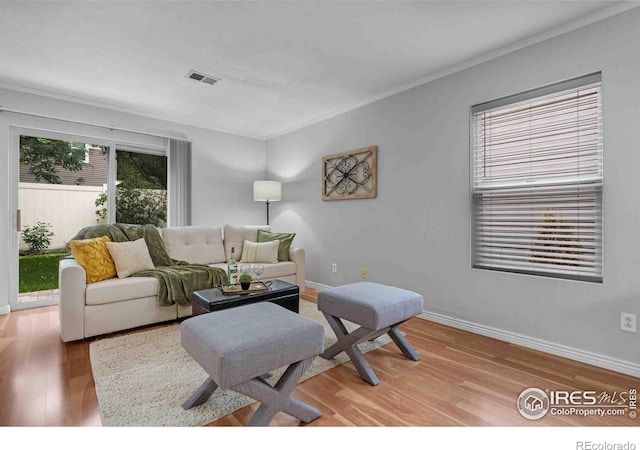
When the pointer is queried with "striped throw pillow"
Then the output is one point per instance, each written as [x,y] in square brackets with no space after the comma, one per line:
[260,252]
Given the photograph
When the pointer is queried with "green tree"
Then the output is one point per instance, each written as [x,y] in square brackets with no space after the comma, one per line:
[135,206]
[141,170]
[45,156]
[141,193]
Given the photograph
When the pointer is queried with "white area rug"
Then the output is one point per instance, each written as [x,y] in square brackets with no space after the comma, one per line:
[142,379]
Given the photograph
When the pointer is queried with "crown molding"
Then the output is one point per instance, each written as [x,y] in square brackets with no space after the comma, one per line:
[563,29]
[618,8]
[109,106]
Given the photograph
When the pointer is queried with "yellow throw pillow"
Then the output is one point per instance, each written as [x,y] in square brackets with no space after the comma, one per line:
[260,252]
[93,255]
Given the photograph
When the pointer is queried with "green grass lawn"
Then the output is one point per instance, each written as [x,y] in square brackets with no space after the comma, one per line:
[39,272]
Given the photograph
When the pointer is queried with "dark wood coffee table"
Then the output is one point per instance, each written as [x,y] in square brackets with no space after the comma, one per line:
[280,292]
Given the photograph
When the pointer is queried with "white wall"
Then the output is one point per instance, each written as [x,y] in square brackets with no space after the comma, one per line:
[416,233]
[224,165]
[224,168]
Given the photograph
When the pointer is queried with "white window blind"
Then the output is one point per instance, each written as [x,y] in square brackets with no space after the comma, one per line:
[537,178]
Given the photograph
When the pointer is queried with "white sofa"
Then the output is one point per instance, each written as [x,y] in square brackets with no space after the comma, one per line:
[118,304]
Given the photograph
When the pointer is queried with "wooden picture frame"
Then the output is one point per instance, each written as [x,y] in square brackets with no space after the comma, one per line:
[350,175]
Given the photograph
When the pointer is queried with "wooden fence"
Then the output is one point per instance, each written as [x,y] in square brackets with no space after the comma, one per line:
[67,208]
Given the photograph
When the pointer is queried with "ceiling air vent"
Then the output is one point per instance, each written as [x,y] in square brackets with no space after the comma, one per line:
[202,77]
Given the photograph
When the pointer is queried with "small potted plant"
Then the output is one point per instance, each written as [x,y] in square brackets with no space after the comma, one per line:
[245,281]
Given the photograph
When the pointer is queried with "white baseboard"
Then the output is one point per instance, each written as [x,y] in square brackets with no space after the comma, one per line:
[316,286]
[605,362]
[5,309]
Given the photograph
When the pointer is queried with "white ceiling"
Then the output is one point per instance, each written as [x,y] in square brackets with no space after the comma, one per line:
[282,64]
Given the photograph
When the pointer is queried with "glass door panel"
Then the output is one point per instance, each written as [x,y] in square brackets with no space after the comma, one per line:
[141,188]
[60,185]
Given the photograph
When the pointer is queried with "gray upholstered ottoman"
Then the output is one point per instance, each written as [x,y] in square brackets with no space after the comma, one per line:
[238,345]
[378,309]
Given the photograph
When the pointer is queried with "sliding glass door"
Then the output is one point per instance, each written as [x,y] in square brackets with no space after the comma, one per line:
[59,180]
[65,182]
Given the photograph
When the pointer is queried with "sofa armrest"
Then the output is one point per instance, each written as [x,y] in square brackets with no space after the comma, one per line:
[72,283]
[297,255]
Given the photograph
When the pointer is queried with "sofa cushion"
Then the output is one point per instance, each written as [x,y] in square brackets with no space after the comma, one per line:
[130,257]
[118,290]
[94,257]
[195,244]
[234,236]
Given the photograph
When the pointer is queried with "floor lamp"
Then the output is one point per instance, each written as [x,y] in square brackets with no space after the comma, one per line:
[267,191]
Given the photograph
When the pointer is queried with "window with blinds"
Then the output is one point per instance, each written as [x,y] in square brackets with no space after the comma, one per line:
[537,177]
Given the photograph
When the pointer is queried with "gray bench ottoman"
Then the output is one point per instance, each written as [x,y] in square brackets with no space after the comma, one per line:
[378,309]
[238,345]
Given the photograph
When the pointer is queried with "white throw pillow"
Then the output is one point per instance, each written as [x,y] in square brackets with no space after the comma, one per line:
[260,252]
[130,257]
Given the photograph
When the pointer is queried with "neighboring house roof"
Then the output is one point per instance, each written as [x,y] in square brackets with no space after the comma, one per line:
[93,174]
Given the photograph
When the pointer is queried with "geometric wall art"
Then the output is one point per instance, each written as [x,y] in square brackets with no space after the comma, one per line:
[350,175]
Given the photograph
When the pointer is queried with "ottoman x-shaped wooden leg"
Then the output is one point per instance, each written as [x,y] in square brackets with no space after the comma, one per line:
[348,342]
[273,398]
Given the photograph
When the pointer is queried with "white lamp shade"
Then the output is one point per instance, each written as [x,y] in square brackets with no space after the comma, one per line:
[267,191]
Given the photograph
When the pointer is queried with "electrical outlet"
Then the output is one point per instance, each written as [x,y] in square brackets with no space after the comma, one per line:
[334,268]
[363,273]
[628,322]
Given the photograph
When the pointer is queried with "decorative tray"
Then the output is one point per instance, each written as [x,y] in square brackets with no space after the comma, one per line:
[255,286]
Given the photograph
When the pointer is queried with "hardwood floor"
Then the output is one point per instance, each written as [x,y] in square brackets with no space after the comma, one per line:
[462,379]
